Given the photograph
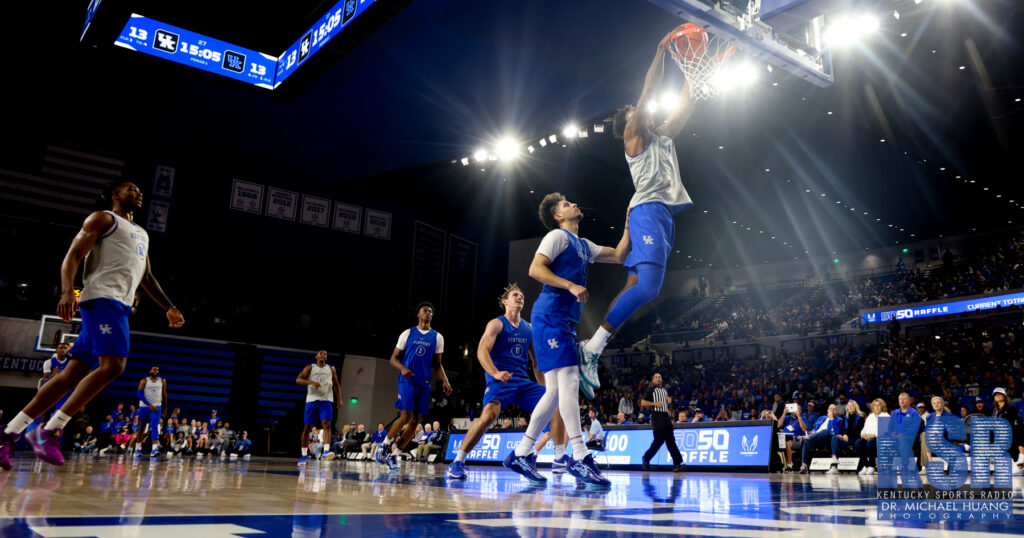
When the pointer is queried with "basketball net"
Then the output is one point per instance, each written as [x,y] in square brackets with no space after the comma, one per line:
[701,55]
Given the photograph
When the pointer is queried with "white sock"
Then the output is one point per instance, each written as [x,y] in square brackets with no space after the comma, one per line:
[18,423]
[395,449]
[598,342]
[559,451]
[388,441]
[579,448]
[305,451]
[525,446]
[57,421]
[461,456]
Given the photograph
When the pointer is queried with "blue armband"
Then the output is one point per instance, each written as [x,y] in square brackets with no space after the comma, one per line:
[142,396]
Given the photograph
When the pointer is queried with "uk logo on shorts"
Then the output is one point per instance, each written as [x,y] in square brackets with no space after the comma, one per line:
[553,343]
[106,329]
[648,240]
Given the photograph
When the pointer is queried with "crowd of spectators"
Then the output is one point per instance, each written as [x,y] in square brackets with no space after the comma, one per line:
[121,432]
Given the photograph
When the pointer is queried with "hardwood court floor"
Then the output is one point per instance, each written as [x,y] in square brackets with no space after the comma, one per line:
[121,496]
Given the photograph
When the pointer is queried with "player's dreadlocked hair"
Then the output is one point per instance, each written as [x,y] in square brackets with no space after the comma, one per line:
[508,289]
[547,209]
[106,198]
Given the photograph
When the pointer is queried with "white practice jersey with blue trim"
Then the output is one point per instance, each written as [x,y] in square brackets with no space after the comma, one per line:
[322,375]
[116,263]
[655,172]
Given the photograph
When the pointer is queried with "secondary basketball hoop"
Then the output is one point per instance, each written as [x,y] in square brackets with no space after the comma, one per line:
[701,55]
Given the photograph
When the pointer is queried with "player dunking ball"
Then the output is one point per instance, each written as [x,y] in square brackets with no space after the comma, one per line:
[418,350]
[561,264]
[115,250]
[152,407]
[505,352]
[659,197]
[323,395]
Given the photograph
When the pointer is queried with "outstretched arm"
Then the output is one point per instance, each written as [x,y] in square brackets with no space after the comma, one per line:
[617,254]
[636,136]
[153,289]
[677,119]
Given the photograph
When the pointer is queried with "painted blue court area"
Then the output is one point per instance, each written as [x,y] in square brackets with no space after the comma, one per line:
[120,497]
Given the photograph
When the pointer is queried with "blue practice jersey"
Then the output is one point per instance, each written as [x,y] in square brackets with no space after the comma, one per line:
[419,355]
[571,264]
[510,350]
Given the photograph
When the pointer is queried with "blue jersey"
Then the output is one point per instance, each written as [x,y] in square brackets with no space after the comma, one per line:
[419,355]
[571,264]
[510,350]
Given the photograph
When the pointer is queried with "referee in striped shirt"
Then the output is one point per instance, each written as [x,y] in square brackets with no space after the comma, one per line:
[657,399]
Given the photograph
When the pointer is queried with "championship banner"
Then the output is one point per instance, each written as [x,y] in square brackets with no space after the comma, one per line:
[156,219]
[746,445]
[346,217]
[378,224]
[246,196]
[281,204]
[315,211]
[163,181]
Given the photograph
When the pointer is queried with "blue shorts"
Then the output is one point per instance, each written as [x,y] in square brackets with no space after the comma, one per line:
[652,232]
[318,411]
[104,332]
[517,391]
[153,419]
[413,397]
[554,342]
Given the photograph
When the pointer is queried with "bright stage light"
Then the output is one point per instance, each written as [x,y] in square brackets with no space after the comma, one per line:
[668,101]
[507,149]
[849,30]
[570,130]
[652,106]
[480,155]
[543,142]
[530,149]
[465,161]
[553,139]
[736,76]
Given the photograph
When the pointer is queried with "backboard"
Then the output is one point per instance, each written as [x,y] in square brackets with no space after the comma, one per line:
[786,33]
[54,331]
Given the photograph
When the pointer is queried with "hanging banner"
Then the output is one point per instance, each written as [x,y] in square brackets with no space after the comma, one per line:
[156,219]
[246,196]
[378,224]
[281,203]
[346,217]
[315,211]
[163,181]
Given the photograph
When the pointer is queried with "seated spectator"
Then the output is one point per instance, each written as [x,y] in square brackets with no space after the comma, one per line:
[939,409]
[820,434]
[683,416]
[430,442]
[179,445]
[121,440]
[867,445]
[108,429]
[370,446]
[793,427]
[86,442]
[595,434]
[523,423]
[849,432]
[354,440]
[622,420]
[242,446]
[421,437]
[316,442]
[641,418]
[723,414]
[1003,409]
[699,416]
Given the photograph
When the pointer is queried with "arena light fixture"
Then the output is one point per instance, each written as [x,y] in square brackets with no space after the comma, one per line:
[737,76]
[543,142]
[668,100]
[480,155]
[570,131]
[507,149]
[652,106]
[847,30]
[530,149]
[553,139]
[599,127]
[465,161]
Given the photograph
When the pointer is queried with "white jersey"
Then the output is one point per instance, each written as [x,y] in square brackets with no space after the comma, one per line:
[116,262]
[154,392]
[655,172]
[322,375]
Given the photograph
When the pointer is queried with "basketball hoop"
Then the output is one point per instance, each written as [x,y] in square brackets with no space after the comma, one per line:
[701,55]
